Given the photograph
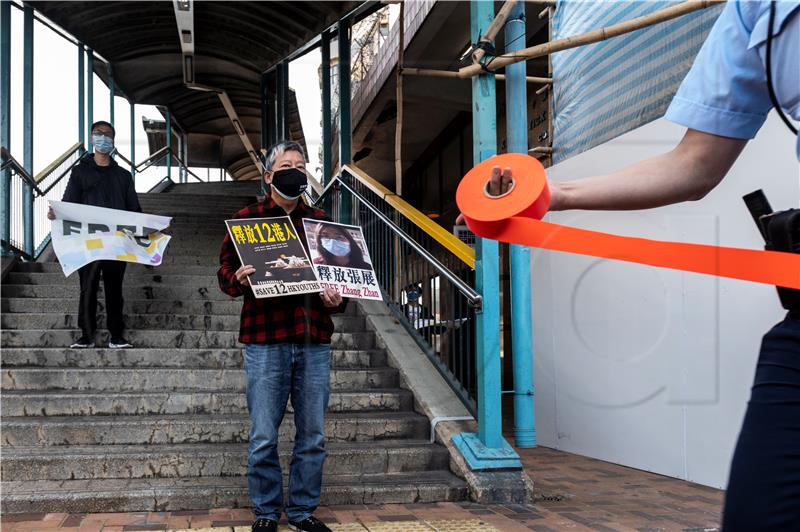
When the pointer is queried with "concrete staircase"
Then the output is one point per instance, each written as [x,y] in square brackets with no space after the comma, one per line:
[164,426]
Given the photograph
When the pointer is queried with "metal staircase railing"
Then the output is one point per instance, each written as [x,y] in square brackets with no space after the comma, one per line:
[26,231]
[411,252]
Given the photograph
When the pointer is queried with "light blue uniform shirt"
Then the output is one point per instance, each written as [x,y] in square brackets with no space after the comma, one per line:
[725,92]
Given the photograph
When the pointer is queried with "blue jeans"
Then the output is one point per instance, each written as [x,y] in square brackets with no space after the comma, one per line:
[274,372]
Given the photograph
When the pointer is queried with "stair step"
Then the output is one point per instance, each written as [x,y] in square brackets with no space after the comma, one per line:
[155,291]
[138,306]
[166,357]
[168,379]
[183,322]
[169,494]
[90,403]
[156,338]
[133,270]
[139,278]
[201,428]
[205,460]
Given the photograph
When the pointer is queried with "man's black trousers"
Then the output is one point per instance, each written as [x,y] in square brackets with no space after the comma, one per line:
[113,272]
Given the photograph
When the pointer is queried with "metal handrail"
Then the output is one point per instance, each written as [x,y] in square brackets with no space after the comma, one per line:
[475,299]
[47,179]
[58,162]
[448,240]
[10,163]
[154,158]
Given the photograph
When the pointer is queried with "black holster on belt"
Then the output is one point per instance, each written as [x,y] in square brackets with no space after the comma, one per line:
[781,232]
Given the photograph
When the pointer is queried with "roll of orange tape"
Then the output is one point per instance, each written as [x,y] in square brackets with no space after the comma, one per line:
[515,218]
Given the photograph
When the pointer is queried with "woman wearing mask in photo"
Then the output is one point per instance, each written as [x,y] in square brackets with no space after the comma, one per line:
[337,247]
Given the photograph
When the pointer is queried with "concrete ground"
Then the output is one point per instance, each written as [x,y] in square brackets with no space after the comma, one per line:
[572,493]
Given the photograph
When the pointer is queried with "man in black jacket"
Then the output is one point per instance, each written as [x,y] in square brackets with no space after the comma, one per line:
[98,180]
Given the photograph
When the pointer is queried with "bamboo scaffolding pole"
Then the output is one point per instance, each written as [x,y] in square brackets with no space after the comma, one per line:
[494,28]
[398,132]
[591,37]
[541,150]
[432,73]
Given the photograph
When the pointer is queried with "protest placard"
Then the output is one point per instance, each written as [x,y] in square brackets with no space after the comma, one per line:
[273,248]
[84,233]
[341,259]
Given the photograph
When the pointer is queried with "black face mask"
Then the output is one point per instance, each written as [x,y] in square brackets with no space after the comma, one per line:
[289,183]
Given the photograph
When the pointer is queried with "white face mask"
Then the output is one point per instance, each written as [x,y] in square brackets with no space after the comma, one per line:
[339,248]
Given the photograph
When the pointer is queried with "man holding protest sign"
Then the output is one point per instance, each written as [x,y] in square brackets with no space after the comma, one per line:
[98,180]
[287,353]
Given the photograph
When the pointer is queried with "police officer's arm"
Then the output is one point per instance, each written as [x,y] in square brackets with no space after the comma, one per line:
[686,173]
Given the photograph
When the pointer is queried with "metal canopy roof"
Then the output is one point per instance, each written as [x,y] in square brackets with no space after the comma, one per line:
[234,42]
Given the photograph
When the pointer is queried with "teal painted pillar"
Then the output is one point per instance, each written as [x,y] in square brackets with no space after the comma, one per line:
[169,144]
[81,96]
[521,327]
[89,95]
[284,100]
[345,133]
[5,120]
[27,126]
[133,141]
[111,93]
[327,140]
[327,124]
[487,449]
[282,103]
[264,123]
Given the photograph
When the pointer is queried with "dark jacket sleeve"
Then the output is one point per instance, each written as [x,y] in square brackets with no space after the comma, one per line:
[131,197]
[74,191]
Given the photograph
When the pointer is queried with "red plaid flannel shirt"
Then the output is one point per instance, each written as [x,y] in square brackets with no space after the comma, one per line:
[288,319]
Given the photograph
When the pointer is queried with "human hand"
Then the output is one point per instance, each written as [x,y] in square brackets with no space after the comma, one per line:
[50,214]
[499,184]
[242,273]
[331,298]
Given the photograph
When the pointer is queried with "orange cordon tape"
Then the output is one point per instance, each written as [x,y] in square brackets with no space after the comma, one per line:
[516,218]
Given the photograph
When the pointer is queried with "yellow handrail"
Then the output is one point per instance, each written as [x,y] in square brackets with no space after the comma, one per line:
[57,162]
[458,248]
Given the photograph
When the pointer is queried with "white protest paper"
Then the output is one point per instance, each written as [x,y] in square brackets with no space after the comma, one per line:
[83,233]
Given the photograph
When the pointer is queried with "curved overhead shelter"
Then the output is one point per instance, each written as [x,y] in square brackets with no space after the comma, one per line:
[234,43]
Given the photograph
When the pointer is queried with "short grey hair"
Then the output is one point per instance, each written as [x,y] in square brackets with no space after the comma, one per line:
[279,149]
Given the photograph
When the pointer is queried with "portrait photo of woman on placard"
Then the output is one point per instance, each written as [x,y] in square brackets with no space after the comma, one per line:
[333,245]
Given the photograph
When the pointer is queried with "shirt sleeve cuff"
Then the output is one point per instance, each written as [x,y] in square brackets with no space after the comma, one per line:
[722,122]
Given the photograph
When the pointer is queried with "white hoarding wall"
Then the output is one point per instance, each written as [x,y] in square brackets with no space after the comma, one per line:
[647,367]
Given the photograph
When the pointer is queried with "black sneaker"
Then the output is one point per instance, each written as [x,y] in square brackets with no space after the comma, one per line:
[82,343]
[119,343]
[309,524]
[265,525]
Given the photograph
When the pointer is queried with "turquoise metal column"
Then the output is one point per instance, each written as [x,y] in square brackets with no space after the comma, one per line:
[487,449]
[284,100]
[281,95]
[27,126]
[327,126]
[327,155]
[133,141]
[81,96]
[522,339]
[345,135]
[169,144]
[111,94]
[5,120]
[89,95]
[264,120]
